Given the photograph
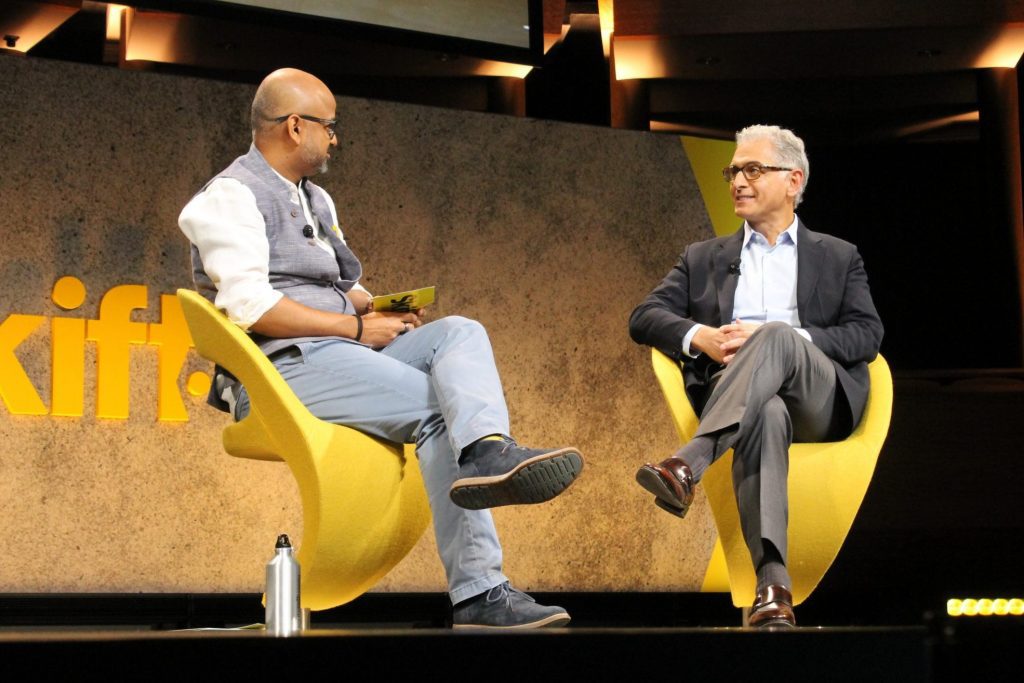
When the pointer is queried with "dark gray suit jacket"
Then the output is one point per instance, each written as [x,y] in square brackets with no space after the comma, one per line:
[833,301]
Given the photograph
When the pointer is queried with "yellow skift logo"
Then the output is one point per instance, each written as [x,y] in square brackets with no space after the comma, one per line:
[114,333]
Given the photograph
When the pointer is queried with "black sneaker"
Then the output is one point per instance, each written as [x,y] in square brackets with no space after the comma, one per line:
[495,472]
[504,607]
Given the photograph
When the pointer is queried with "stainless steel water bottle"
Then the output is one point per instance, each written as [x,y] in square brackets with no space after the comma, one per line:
[284,614]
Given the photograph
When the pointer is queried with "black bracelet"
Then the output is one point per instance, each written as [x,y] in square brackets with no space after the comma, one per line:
[359,328]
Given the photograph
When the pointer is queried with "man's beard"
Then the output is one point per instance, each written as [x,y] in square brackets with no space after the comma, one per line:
[315,160]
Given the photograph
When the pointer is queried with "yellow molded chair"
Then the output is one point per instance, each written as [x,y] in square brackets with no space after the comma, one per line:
[827,483]
[364,505]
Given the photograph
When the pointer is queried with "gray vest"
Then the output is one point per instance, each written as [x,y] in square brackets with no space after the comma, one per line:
[299,268]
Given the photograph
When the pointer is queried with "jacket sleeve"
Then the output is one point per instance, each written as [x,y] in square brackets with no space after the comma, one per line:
[663,318]
[855,333]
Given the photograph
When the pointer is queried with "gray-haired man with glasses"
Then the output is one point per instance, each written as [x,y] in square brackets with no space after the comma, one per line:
[774,325]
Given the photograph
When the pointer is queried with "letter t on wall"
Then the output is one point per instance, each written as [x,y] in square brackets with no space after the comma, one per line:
[113,333]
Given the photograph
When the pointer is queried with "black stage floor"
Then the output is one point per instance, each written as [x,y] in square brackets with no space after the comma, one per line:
[825,654]
[675,637]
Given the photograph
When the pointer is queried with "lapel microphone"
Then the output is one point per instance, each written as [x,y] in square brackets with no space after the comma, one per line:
[734,267]
[307,230]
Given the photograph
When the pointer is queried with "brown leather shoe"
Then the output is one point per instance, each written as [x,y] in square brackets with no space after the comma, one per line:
[773,608]
[671,482]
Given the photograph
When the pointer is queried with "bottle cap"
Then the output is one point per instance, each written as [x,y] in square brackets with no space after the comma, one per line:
[283,542]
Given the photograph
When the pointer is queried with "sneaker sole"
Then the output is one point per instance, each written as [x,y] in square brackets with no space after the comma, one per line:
[535,480]
[547,622]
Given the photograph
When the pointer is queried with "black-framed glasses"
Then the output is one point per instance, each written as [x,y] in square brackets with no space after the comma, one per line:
[751,170]
[328,124]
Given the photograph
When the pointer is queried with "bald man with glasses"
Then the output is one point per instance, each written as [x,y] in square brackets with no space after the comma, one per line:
[774,326]
[268,251]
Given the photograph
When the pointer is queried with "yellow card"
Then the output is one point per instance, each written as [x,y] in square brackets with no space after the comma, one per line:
[404,301]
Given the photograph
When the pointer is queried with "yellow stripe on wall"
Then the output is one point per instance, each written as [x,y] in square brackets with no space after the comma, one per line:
[707,159]
[716,576]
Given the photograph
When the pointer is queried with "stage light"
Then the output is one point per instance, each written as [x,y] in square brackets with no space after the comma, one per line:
[114,13]
[986,607]
[640,57]
[27,23]
[606,12]
[504,69]
[1004,50]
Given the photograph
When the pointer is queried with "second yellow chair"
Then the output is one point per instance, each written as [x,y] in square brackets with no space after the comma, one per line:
[827,483]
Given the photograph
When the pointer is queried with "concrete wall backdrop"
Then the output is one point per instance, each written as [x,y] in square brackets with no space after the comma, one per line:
[548,233]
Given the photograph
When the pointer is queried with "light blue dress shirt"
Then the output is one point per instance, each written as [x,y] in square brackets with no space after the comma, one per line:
[766,289]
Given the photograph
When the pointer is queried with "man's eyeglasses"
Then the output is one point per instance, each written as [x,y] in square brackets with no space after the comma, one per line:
[328,124]
[751,171]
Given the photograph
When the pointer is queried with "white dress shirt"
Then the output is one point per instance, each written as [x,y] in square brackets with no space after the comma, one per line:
[766,289]
[226,226]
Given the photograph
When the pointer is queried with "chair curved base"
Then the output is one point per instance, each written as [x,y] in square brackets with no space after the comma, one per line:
[362,515]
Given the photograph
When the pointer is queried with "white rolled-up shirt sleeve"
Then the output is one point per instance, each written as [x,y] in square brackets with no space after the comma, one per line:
[227,228]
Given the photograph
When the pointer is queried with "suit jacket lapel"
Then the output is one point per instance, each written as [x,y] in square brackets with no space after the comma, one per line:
[725,283]
[810,255]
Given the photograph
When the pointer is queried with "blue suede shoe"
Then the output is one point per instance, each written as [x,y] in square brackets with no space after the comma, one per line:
[504,607]
[501,472]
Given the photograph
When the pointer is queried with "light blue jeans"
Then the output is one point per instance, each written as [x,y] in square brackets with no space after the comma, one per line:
[435,386]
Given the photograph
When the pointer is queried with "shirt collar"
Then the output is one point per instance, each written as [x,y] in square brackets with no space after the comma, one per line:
[290,184]
[296,186]
[791,232]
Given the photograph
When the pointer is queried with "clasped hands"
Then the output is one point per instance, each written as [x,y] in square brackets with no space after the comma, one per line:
[723,343]
[380,328]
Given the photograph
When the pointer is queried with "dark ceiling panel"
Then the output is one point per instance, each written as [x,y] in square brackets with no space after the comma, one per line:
[882,52]
[695,17]
[220,44]
[855,69]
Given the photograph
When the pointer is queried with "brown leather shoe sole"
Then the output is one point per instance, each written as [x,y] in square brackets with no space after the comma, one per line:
[780,624]
[664,494]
